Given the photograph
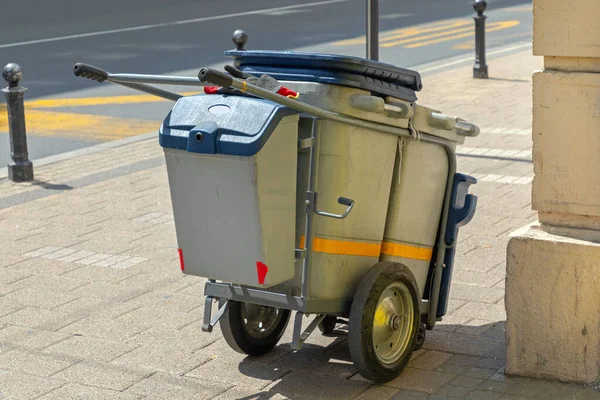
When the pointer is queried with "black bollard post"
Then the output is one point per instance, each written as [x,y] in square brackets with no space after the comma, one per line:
[20,169]
[373,30]
[480,69]
[240,38]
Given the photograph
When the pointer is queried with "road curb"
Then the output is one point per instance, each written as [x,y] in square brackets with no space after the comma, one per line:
[88,150]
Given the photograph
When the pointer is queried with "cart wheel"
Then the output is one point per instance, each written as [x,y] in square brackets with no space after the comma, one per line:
[252,329]
[420,340]
[384,320]
[327,325]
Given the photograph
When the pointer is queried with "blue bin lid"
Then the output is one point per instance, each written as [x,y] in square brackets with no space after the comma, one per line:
[333,78]
[329,62]
[221,124]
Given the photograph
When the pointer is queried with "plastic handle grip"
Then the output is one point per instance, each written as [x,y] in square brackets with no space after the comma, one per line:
[345,201]
[215,77]
[90,72]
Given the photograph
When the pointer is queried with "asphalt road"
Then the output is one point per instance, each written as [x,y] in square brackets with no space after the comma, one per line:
[157,37]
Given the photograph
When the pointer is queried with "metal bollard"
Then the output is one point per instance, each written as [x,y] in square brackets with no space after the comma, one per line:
[373,30]
[240,38]
[480,69]
[20,169]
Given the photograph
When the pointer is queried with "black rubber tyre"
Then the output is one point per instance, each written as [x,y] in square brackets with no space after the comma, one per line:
[362,330]
[242,339]
[421,335]
[327,325]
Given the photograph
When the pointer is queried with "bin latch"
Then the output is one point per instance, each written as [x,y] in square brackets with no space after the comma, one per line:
[311,203]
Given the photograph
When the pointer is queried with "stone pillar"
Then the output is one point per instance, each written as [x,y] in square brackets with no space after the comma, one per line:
[553,265]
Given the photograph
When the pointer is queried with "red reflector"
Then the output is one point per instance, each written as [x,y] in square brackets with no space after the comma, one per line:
[181,263]
[261,272]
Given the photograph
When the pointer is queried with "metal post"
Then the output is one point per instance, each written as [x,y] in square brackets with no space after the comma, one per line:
[373,30]
[20,169]
[480,69]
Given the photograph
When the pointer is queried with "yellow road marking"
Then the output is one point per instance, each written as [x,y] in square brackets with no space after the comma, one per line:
[497,27]
[98,101]
[429,34]
[404,32]
[434,35]
[413,31]
[81,126]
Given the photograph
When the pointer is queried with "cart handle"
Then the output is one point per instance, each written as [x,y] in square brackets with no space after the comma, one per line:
[343,201]
[99,75]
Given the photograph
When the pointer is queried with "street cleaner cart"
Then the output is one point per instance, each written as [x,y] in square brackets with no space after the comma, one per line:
[314,184]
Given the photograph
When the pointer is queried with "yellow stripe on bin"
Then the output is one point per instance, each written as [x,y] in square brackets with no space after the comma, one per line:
[343,247]
[364,249]
[406,251]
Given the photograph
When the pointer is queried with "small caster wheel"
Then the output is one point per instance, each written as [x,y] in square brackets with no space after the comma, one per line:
[252,329]
[420,340]
[327,325]
[384,320]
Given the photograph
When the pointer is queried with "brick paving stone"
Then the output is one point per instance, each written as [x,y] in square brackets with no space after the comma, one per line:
[221,352]
[33,363]
[493,312]
[237,393]
[483,395]
[92,273]
[38,318]
[38,298]
[475,327]
[166,386]
[101,375]
[450,323]
[452,342]
[42,266]
[50,283]
[27,338]
[377,392]
[486,280]
[318,361]
[19,386]
[79,392]
[10,275]
[482,373]
[160,317]
[429,360]
[175,301]
[246,374]
[453,391]
[82,306]
[90,348]
[477,362]
[476,293]
[467,381]
[172,356]
[410,395]
[420,380]
[312,386]
[104,328]
[7,259]
[103,290]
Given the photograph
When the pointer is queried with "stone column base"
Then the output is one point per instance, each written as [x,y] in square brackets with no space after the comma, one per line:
[553,303]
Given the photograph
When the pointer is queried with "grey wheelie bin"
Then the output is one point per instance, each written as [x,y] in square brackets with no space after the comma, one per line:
[335,197]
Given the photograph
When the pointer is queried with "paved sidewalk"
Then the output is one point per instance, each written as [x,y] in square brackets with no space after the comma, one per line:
[93,304]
